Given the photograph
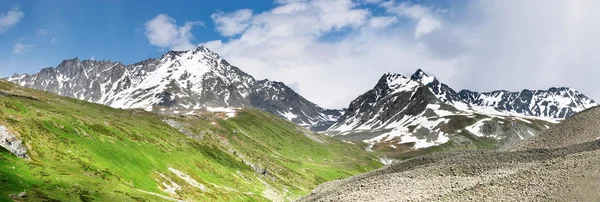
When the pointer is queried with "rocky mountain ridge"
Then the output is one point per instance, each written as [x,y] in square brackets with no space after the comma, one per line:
[180,81]
[192,79]
[421,112]
[553,103]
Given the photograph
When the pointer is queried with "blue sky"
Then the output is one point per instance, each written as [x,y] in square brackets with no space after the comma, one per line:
[330,51]
[111,29]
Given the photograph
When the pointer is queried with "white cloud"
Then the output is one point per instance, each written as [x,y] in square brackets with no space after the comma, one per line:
[335,50]
[10,18]
[427,22]
[53,40]
[19,48]
[230,24]
[291,43]
[426,26]
[372,1]
[383,21]
[162,31]
[42,32]
[532,44]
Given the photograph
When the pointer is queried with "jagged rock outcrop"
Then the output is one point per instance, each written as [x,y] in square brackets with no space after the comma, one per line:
[13,144]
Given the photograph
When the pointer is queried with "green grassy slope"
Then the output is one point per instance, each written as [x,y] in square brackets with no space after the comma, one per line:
[87,152]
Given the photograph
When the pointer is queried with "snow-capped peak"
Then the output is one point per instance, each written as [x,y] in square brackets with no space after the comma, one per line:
[394,80]
[418,110]
[190,79]
[198,50]
[422,77]
[392,83]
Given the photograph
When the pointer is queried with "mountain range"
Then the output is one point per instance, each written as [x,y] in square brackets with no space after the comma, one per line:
[413,112]
[187,130]
[421,112]
[192,79]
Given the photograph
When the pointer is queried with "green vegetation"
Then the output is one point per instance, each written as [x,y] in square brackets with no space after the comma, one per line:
[293,156]
[87,152]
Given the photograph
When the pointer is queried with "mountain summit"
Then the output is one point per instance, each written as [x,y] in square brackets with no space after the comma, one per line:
[192,79]
[553,103]
[421,112]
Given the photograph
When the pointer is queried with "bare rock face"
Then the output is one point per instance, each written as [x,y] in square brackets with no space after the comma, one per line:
[12,143]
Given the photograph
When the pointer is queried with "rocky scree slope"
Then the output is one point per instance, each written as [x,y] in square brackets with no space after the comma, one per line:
[420,112]
[539,171]
[62,149]
[190,79]
[579,128]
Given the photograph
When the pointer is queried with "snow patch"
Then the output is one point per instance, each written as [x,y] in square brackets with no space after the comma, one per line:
[476,128]
[171,187]
[385,161]
[188,179]
[427,79]
[159,195]
[230,112]
[289,115]
[370,147]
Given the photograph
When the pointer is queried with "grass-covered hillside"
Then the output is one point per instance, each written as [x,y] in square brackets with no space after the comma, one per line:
[79,151]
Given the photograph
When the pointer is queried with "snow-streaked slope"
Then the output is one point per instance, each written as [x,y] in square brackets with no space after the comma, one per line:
[552,103]
[397,107]
[424,112]
[191,79]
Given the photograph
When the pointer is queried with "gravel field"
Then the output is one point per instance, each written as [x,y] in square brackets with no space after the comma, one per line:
[562,164]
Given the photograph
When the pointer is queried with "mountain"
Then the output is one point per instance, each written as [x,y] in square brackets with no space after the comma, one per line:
[554,103]
[558,165]
[420,112]
[192,79]
[55,148]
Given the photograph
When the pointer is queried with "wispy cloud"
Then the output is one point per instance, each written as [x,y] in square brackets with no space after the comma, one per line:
[42,32]
[20,48]
[382,21]
[162,32]
[10,18]
[229,24]
[427,22]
